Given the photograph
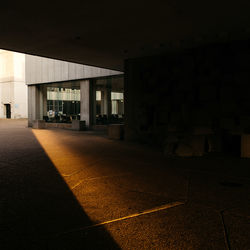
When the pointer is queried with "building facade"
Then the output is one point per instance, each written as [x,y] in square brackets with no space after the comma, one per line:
[13,88]
[56,91]
[60,92]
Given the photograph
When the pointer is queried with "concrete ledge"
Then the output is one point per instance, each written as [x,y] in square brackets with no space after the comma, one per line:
[116,131]
[38,124]
[78,125]
[58,125]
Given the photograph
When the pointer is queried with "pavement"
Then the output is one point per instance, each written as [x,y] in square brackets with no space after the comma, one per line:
[62,189]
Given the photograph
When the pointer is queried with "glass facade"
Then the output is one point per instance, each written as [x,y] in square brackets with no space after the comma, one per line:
[63,104]
[117,103]
[109,100]
[62,101]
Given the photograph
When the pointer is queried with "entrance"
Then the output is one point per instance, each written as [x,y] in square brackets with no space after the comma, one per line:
[8,110]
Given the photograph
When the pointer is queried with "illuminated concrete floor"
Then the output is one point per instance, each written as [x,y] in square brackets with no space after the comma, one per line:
[58,186]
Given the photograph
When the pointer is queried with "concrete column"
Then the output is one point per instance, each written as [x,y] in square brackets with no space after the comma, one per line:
[130,95]
[33,104]
[44,100]
[40,92]
[107,101]
[103,111]
[93,103]
[37,103]
[85,98]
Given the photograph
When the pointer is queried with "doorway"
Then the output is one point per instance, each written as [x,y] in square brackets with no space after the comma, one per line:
[7,111]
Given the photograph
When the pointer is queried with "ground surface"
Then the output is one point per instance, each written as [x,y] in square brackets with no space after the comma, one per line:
[56,186]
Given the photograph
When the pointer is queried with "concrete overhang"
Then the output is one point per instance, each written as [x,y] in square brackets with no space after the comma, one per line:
[103,34]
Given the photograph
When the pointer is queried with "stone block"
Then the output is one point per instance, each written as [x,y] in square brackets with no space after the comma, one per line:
[38,124]
[78,125]
[116,131]
[245,145]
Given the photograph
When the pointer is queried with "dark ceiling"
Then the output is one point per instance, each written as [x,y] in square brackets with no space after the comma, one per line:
[105,33]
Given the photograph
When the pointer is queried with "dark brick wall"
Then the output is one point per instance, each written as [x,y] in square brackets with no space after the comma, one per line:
[203,93]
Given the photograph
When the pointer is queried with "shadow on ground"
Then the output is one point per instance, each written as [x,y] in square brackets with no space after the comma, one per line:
[36,205]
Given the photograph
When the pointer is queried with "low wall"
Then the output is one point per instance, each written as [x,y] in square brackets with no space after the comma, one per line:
[58,125]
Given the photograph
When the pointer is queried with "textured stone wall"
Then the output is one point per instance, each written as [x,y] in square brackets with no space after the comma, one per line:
[190,102]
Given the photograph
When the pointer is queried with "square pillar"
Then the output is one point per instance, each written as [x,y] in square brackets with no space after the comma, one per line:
[93,103]
[44,96]
[37,103]
[33,104]
[107,101]
[86,99]
[103,112]
[245,145]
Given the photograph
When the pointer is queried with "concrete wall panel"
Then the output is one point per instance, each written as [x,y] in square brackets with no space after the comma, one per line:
[44,70]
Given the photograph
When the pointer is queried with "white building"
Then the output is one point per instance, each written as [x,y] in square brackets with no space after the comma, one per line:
[35,87]
[13,88]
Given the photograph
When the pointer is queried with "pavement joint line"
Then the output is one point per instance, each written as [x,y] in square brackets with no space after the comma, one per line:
[97,178]
[148,211]
[225,231]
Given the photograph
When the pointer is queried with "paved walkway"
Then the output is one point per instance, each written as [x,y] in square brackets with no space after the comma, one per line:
[64,189]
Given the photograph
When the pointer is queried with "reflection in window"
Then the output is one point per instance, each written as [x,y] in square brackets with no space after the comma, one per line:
[117,103]
[63,104]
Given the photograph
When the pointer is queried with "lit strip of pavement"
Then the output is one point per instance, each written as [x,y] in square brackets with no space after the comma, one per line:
[149,211]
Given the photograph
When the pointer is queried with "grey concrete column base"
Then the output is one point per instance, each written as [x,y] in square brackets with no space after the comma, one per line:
[78,125]
[38,124]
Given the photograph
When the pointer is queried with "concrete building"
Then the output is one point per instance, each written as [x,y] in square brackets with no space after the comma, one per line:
[185,68]
[60,92]
[186,93]
[41,88]
[13,89]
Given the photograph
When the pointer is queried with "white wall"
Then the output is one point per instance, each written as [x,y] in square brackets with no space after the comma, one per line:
[44,70]
[13,89]
[6,66]
[20,108]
